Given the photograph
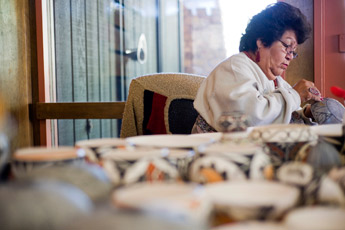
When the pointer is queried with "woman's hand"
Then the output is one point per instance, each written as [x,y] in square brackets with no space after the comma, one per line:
[307,91]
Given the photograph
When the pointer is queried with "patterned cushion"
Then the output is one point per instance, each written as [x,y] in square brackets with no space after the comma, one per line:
[154,105]
[164,115]
[181,116]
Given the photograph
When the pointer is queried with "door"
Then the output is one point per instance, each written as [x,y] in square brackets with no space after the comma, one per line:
[140,45]
[99,47]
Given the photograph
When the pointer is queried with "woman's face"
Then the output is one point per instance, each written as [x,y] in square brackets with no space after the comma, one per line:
[275,59]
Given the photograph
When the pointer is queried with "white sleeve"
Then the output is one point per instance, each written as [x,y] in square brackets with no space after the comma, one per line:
[238,84]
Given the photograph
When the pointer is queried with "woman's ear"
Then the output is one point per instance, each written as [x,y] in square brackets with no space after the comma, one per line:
[259,44]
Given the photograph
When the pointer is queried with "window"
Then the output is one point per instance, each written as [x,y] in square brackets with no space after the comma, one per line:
[97,46]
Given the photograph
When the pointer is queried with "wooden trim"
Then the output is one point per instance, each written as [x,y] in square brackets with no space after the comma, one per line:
[43,126]
[319,47]
[78,110]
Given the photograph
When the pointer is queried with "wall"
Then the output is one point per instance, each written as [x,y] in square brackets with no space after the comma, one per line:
[333,73]
[319,58]
[203,41]
[15,71]
[303,66]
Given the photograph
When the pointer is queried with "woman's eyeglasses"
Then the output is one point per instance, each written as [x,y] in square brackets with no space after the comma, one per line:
[289,50]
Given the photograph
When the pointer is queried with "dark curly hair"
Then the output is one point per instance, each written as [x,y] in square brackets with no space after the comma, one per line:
[271,23]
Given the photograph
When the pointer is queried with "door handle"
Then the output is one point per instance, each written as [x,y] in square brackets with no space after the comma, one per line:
[140,53]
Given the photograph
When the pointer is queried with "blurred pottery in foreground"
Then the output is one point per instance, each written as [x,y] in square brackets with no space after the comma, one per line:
[338,175]
[252,225]
[89,178]
[177,201]
[286,142]
[253,200]
[316,217]
[323,156]
[229,161]
[315,187]
[41,205]
[128,166]
[95,148]
[122,219]
[26,159]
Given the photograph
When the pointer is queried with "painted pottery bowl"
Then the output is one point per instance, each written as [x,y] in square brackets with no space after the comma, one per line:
[252,225]
[215,136]
[315,187]
[94,148]
[333,134]
[25,160]
[172,141]
[228,161]
[116,218]
[295,173]
[41,204]
[330,192]
[89,178]
[179,201]
[285,142]
[338,175]
[282,133]
[253,200]
[328,111]
[324,155]
[316,217]
[128,166]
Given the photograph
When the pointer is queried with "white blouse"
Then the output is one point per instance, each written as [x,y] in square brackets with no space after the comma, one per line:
[238,84]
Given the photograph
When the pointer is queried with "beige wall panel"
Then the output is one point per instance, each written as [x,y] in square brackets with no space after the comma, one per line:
[303,66]
[15,81]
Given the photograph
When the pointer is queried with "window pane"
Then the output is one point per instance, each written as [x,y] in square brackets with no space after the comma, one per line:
[212,30]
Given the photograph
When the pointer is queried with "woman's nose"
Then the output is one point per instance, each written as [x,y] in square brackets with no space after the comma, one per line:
[289,56]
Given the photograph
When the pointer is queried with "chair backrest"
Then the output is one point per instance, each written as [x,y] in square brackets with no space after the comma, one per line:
[161,103]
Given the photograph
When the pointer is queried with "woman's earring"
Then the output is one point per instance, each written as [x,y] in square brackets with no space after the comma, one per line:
[257,57]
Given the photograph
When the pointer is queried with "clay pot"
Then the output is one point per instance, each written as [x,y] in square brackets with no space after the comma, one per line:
[40,204]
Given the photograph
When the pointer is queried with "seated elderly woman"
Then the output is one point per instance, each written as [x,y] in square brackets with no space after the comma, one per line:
[250,82]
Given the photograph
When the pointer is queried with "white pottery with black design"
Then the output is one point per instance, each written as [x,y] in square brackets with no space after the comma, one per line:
[95,148]
[338,175]
[184,202]
[330,192]
[315,188]
[328,111]
[229,161]
[316,217]
[286,142]
[128,166]
[253,199]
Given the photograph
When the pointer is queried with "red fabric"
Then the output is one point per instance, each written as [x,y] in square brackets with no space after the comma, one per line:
[156,122]
[275,83]
[337,91]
